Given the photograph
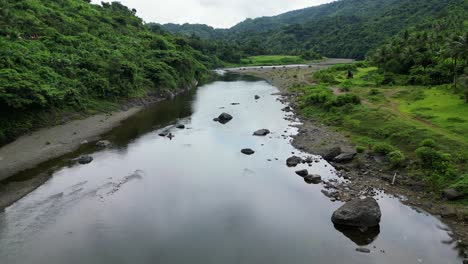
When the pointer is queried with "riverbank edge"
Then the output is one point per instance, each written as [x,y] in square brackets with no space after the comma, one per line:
[363,172]
[45,144]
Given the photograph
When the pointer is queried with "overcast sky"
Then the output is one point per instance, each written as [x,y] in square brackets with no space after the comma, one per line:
[216,13]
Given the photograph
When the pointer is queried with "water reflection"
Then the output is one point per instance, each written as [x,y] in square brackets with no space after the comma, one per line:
[197,199]
[360,236]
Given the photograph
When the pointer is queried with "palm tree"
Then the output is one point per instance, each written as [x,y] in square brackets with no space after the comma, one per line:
[458,51]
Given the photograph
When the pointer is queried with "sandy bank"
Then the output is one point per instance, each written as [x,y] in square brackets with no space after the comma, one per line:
[30,150]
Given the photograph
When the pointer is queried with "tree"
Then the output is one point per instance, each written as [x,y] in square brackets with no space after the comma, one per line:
[458,51]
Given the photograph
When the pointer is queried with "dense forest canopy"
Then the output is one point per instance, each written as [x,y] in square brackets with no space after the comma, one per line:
[346,28]
[69,54]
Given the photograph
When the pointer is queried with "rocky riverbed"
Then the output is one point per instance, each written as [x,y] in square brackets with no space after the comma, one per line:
[364,174]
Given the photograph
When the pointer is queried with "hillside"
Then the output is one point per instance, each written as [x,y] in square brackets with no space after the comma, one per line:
[345,28]
[59,57]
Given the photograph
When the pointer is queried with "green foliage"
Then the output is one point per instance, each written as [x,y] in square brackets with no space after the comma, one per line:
[61,55]
[430,53]
[345,29]
[396,158]
[383,148]
[430,143]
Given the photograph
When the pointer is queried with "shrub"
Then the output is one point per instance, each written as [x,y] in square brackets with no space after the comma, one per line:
[374,92]
[325,77]
[342,100]
[383,148]
[360,149]
[396,158]
[430,143]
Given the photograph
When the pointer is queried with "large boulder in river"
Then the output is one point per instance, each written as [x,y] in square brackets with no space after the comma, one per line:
[358,213]
[331,153]
[293,161]
[261,132]
[224,118]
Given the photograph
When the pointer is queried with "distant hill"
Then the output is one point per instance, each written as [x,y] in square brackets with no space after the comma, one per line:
[345,28]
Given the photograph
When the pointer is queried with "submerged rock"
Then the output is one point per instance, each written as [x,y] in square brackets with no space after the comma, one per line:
[257,97]
[302,173]
[332,153]
[85,159]
[358,213]
[224,118]
[261,132]
[247,151]
[181,126]
[293,161]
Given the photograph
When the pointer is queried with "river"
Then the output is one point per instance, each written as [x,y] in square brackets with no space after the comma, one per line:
[198,199]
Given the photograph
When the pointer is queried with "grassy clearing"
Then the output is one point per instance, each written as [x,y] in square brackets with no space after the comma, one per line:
[402,120]
[438,106]
[270,60]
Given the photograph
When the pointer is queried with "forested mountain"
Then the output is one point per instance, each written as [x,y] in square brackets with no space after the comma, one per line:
[345,28]
[70,55]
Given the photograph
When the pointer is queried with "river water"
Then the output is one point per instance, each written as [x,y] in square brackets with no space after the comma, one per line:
[198,199]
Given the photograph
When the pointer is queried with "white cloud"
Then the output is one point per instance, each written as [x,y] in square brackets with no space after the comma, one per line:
[216,13]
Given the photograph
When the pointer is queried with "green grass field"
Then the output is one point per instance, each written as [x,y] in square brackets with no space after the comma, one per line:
[270,60]
[438,106]
[402,117]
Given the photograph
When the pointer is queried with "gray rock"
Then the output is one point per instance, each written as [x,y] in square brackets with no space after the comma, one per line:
[257,97]
[313,179]
[247,151]
[302,173]
[363,250]
[293,161]
[344,157]
[332,153]
[85,159]
[358,213]
[261,132]
[181,126]
[451,194]
[224,118]
[163,134]
[103,143]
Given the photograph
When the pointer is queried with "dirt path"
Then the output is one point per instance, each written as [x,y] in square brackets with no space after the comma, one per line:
[394,109]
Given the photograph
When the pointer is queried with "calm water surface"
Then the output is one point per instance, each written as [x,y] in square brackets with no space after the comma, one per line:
[197,199]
